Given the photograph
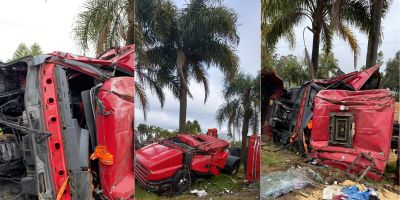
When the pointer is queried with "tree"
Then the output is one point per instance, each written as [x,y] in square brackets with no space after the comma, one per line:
[242,106]
[193,127]
[188,42]
[104,24]
[367,16]
[23,51]
[379,60]
[328,66]
[392,74]
[290,70]
[283,16]
[143,130]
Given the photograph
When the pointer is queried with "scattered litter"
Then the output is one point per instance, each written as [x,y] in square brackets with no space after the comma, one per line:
[361,187]
[199,193]
[276,184]
[354,193]
[349,190]
[330,191]
[340,197]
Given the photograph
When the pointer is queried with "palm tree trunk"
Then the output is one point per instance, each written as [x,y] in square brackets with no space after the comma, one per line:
[245,129]
[130,35]
[317,25]
[183,92]
[374,33]
[182,108]
[245,125]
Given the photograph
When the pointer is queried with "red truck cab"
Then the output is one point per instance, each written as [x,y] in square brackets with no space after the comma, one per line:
[172,164]
[55,111]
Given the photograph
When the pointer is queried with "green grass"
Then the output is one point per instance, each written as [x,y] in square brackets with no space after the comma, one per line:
[391,167]
[140,193]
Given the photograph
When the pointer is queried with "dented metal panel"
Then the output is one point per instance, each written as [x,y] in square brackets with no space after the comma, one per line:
[373,121]
[114,127]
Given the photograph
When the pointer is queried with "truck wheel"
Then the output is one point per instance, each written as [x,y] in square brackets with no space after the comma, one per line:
[234,169]
[181,182]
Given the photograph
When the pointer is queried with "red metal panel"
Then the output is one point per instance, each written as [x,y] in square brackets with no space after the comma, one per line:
[373,121]
[115,131]
[212,132]
[358,81]
[295,136]
[124,60]
[215,161]
[253,159]
[203,142]
[161,160]
[53,125]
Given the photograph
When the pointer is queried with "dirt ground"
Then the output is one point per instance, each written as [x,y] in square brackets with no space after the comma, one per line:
[284,159]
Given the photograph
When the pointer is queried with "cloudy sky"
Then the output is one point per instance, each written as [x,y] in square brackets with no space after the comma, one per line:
[341,50]
[49,23]
[249,54]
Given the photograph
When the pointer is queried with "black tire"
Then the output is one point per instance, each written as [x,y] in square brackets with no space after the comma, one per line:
[182,182]
[234,169]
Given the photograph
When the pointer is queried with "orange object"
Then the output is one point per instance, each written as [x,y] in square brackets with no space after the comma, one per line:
[103,155]
[309,125]
[62,189]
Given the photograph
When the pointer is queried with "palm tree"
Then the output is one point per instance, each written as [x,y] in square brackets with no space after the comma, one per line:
[104,24]
[190,41]
[242,107]
[367,16]
[284,15]
[328,65]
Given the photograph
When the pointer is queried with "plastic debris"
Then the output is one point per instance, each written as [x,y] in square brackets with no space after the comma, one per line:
[276,184]
[330,191]
[354,193]
[361,187]
[340,197]
[199,193]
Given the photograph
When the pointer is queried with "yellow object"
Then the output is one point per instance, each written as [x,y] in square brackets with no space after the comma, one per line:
[103,155]
[62,189]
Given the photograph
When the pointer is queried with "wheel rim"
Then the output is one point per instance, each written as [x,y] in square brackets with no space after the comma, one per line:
[182,184]
[235,169]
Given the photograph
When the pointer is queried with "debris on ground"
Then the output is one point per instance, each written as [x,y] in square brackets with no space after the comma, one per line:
[330,191]
[349,190]
[279,183]
[199,193]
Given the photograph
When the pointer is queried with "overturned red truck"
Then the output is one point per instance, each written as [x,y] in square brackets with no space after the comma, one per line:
[58,109]
[171,165]
[345,122]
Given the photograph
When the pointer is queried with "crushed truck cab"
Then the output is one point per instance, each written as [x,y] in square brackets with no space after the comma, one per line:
[172,164]
[56,111]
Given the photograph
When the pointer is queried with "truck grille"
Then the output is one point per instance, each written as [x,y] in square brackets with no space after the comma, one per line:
[141,173]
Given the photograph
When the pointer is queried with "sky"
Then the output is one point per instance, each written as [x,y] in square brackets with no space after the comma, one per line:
[49,23]
[248,51]
[390,44]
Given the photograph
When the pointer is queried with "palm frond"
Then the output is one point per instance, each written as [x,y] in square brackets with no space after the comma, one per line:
[348,36]
[200,76]
[141,95]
